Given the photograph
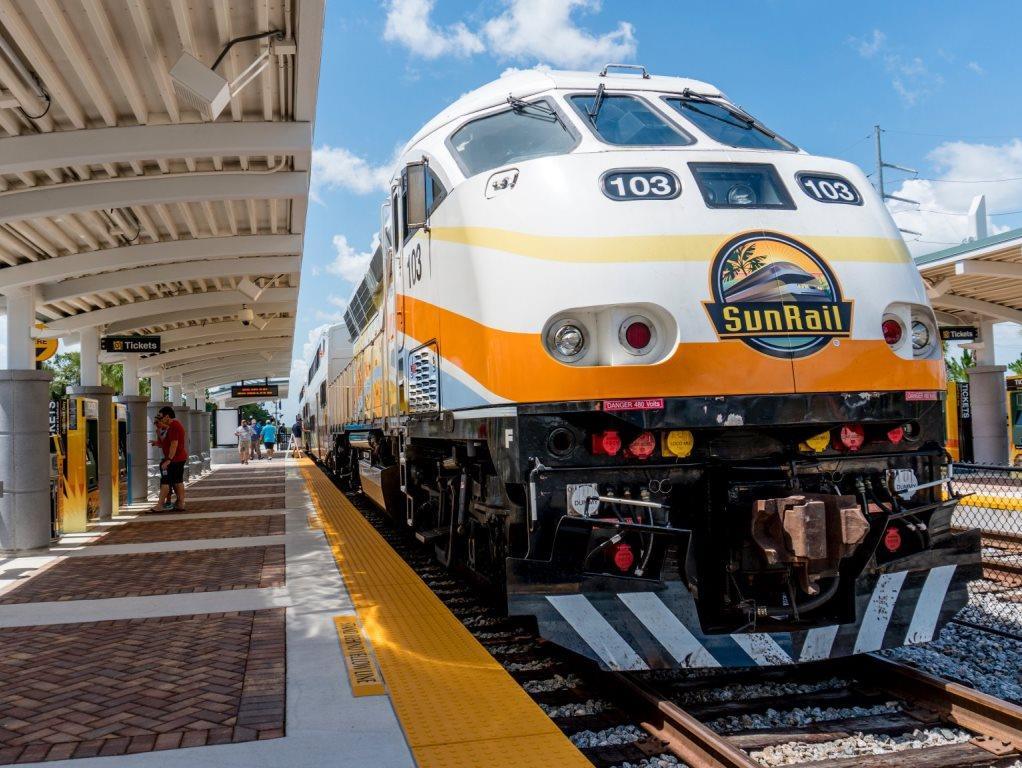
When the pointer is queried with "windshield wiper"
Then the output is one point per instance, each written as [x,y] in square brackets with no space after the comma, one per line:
[594,111]
[538,109]
[718,100]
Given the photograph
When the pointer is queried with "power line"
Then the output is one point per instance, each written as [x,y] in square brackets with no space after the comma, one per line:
[954,135]
[958,213]
[968,181]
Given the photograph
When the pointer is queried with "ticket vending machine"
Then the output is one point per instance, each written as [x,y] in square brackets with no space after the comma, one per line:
[80,488]
[1013,385]
[56,467]
[119,448]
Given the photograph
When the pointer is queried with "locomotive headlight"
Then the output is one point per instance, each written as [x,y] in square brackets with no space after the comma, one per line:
[920,336]
[566,340]
[741,194]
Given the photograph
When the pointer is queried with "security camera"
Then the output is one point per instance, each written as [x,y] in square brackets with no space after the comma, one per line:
[247,316]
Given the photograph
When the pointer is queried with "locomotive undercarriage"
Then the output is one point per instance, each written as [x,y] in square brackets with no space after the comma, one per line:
[764,530]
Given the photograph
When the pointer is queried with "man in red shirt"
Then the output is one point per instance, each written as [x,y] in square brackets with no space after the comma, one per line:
[175,455]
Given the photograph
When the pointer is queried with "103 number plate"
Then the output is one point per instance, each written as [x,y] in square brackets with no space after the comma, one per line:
[640,184]
[829,188]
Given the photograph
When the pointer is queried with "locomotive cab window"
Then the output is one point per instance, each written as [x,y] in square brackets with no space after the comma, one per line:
[526,131]
[740,185]
[727,124]
[627,121]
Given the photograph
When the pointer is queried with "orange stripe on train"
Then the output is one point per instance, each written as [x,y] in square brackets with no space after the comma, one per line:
[515,365]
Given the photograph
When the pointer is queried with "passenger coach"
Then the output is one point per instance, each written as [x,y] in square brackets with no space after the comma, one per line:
[669,380]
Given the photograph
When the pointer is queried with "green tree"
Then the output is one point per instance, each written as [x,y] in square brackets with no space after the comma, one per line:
[254,411]
[1016,367]
[958,368]
[66,368]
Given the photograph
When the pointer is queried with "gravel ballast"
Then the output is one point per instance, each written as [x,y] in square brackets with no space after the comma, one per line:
[858,745]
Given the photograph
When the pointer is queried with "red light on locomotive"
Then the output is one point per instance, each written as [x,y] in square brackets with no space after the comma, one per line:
[638,335]
[623,557]
[606,443]
[643,446]
[892,539]
[852,436]
[896,435]
[892,331]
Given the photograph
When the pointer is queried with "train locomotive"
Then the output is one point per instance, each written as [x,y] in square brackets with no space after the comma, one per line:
[667,380]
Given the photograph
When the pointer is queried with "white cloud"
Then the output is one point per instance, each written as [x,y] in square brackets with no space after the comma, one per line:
[911,78]
[958,160]
[527,30]
[338,168]
[543,30]
[336,316]
[408,23]
[311,342]
[870,46]
[973,66]
[350,263]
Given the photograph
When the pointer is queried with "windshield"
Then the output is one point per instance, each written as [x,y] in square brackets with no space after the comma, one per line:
[627,121]
[727,125]
[523,132]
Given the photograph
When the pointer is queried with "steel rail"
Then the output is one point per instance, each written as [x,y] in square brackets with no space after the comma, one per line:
[971,709]
[686,737]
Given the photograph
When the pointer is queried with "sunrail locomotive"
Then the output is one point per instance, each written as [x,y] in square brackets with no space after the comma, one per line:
[670,381]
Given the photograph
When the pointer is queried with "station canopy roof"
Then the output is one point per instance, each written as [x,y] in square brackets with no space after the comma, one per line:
[982,278]
[131,211]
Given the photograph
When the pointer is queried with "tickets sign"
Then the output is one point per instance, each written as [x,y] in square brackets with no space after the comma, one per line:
[144,345]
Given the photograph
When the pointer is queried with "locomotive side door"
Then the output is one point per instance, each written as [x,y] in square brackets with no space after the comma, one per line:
[393,322]
[419,360]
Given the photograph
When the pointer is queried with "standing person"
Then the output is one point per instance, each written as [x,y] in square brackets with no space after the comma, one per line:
[244,435]
[175,456]
[257,434]
[269,437]
[296,432]
[281,434]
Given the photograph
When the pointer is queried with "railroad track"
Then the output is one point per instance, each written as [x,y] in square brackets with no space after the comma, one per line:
[861,704]
[742,718]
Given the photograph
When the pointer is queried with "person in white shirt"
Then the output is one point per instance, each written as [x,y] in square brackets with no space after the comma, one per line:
[244,435]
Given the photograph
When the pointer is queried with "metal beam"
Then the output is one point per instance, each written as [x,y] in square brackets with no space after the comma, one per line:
[168,273]
[164,318]
[226,361]
[220,349]
[1009,269]
[247,371]
[224,331]
[170,304]
[56,200]
[986,308]
[59,149]
[171,252]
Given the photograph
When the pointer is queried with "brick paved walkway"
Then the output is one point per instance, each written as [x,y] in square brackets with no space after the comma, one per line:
[121,687]
[155,573]
[184,530]
[233,505]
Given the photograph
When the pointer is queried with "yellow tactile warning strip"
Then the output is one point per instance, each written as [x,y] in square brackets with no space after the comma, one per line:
[363,671]
[457,705]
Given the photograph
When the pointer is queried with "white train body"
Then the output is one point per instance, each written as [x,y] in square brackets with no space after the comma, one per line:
[619,335]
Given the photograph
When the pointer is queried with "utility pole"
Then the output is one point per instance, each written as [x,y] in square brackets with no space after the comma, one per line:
[877,131]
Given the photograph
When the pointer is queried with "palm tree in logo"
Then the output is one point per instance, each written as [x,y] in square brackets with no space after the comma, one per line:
[742,262]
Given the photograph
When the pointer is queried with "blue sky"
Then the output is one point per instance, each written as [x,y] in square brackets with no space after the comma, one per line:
[941,77]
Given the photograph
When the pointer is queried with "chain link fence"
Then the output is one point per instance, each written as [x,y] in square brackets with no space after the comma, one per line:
[993,503]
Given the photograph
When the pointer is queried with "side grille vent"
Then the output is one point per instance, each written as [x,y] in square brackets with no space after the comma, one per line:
[423,380]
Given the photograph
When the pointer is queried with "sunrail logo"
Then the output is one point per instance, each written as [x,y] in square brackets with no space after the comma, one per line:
[776,295]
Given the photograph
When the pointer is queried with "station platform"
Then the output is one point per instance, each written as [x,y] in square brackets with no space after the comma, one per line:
[267,625]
